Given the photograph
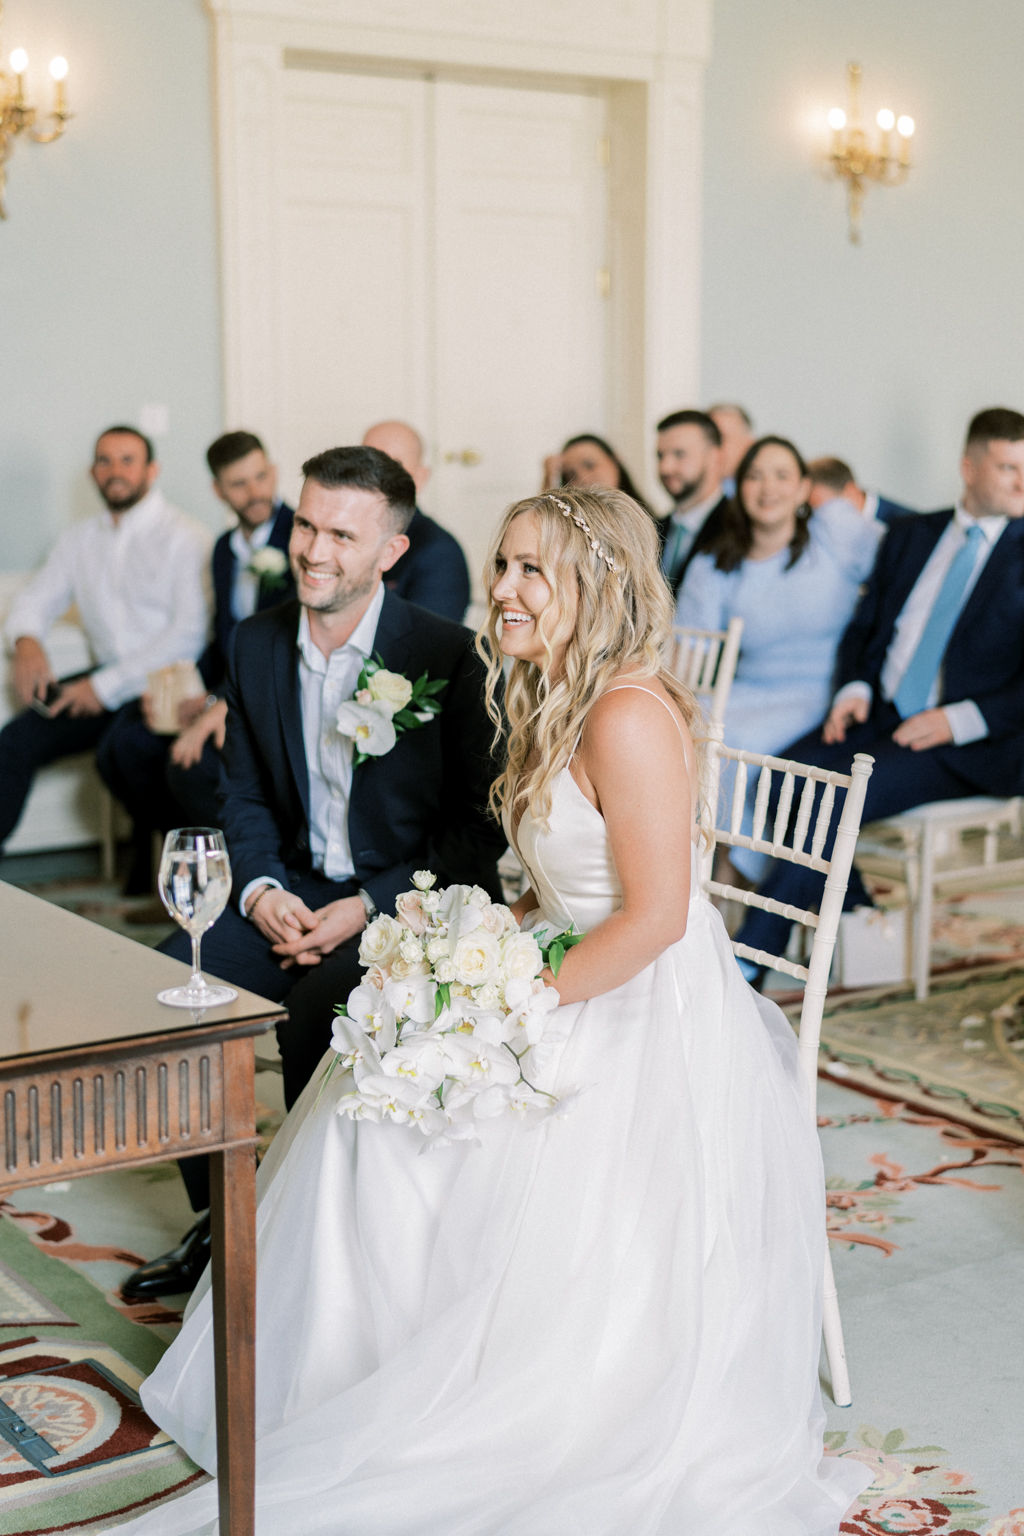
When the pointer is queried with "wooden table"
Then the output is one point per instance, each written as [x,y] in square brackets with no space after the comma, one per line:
[95,1074]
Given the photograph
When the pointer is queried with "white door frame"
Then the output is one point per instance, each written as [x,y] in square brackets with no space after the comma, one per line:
[648,54]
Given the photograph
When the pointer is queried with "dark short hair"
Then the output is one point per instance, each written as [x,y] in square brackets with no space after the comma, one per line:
[125,431]
[997,424]
[835,474]
[231,447]
[368,470]
[625,478]
[734,543]
[730,405]
[693,419]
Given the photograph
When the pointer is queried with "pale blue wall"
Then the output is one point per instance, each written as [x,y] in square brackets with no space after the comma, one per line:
[878,354]
[108,261]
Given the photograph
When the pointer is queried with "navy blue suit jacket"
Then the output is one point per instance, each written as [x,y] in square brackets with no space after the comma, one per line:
[707,533]
[887,511]
[433,572]
[213,662]
[423,805]
[984,658]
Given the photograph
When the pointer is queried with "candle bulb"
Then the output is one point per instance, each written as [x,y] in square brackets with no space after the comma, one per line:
[19,63]
[59,71]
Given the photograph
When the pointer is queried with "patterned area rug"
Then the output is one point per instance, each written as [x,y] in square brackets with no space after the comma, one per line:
[960,1051]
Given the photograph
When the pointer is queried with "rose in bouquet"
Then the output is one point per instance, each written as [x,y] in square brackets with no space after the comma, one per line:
[452,1024]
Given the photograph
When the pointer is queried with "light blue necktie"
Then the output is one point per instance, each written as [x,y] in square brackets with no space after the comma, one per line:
[917,682]
[677,544]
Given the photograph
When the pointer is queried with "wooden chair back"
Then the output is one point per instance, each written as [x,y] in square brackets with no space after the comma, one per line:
[705,661]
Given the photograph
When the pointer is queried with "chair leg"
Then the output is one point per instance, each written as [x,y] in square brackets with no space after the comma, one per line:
[832,1328]
[107,848]
[923,926]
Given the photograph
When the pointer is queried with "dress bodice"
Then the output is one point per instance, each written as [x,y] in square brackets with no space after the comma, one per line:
[569,863]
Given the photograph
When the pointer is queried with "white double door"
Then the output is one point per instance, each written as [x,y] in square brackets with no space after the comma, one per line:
[442,258]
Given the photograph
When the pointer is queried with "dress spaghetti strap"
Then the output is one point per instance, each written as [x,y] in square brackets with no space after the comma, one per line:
[641,689]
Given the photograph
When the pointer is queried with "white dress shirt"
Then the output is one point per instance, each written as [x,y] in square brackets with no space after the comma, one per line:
[324,683]
[142,588]
[245,590]
[966,721]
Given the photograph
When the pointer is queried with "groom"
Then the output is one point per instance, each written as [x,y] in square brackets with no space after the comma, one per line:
[317,845]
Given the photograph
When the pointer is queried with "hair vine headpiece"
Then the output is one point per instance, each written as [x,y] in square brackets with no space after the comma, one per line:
[567,511]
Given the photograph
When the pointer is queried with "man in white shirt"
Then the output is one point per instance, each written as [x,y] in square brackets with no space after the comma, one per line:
[171,782]
[690,469]
[930,671]
[137,575]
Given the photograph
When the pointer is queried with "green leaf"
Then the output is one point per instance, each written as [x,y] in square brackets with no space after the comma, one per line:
[893,1440]
[420,683]
[435,687]
[556,954]
[341,1010]
[872,1438]
[835,1439]
[925,1450]
[404,720]
[360,758]
[442,998]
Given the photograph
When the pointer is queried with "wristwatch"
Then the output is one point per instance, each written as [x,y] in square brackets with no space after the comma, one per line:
[369,903]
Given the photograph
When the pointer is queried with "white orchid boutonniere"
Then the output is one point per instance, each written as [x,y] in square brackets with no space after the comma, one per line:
[270,567]
[385,706]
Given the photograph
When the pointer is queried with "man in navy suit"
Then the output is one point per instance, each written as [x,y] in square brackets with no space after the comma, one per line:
[319,846]
[433,572]
[931,669]
[165,782]
[833,479]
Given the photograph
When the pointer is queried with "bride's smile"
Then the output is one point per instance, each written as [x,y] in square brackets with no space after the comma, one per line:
[534,625]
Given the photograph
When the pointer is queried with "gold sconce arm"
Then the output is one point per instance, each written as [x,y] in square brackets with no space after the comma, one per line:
[853,158]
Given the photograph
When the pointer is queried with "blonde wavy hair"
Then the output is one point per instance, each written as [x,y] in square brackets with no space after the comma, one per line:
[623,622]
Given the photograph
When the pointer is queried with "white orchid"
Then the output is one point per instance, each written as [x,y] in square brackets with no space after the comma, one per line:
[368,725]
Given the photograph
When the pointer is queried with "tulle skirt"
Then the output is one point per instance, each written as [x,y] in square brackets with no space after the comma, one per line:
[603,1325]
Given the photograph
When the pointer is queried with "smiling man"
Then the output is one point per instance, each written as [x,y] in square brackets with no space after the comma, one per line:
[136,573]
[318,845]
[930,671]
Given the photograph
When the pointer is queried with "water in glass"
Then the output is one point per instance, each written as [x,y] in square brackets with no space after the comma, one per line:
[194,885]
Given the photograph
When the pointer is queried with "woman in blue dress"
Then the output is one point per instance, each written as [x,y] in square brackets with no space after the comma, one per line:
[792,576]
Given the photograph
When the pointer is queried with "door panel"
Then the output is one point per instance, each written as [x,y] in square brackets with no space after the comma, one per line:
[520,325]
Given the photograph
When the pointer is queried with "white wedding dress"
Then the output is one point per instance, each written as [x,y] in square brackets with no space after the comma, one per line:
[606,1325]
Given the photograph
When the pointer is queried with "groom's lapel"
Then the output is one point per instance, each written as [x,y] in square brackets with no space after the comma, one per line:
[396,634]
[289,700]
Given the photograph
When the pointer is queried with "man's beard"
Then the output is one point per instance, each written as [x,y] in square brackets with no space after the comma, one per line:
[688,489]
[343,597]
[121,503]
[262,504]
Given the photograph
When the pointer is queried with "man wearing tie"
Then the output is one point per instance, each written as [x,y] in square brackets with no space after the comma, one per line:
[931,668]
[690,469]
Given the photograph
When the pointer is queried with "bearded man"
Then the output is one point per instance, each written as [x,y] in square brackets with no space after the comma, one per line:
[319,843]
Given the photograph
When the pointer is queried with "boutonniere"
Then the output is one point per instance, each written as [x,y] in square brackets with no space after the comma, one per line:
[386,705]
[270,567]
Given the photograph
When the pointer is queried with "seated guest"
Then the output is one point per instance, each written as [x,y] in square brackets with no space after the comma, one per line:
[166,782]
[317,843]
[690,469]
[832,477]
[792,575]
[931,669]
[136,573]
[589,460]
[433,572]
[737,431]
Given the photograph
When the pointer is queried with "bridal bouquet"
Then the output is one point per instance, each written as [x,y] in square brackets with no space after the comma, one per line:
[452,1020]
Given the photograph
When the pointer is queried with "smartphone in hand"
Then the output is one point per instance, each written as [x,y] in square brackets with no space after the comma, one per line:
[44,706]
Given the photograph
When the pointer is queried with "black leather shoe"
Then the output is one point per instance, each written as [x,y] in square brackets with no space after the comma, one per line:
[172,1272]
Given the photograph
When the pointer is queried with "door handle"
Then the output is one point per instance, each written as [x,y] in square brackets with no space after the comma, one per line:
[468,456]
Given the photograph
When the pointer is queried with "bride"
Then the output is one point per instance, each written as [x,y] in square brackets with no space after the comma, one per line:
[607,1325]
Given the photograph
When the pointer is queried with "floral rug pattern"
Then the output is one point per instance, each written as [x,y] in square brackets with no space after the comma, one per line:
[915,1492]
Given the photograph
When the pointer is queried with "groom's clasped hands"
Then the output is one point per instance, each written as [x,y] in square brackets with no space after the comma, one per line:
[300,936]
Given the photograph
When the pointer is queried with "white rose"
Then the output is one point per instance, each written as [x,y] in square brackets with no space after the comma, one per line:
[476,958]
[423,879]
[409,908]
[521,956]
[411,949]
[391,688]
[402,969]
[486,996]
[380,941]
[493,918]
[478,897]
[369,727]
[430,900]
[445,972]
[376,976]
[437,949]
[268,561]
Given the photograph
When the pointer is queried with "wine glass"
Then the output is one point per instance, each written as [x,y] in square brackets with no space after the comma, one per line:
[194,885]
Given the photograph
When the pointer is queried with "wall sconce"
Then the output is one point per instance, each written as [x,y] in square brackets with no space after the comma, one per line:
[18,116]
[852,157]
